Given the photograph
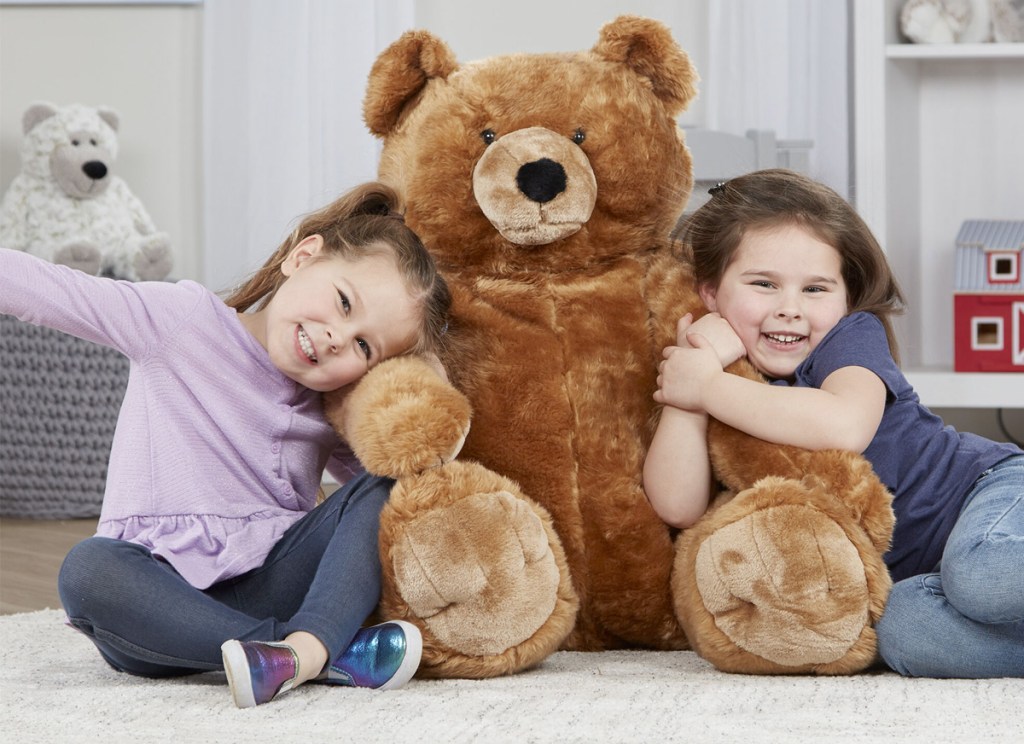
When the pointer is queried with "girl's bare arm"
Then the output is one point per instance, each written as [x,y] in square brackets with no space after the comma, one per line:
[843,414]
[677,473]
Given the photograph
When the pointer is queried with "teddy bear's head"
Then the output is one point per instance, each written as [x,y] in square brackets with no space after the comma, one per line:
[76,145]
[536,161]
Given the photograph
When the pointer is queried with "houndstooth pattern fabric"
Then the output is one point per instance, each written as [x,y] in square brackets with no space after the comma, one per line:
[59,401]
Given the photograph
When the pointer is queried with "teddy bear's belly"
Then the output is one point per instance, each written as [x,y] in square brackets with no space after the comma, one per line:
[562,399]
[61,218]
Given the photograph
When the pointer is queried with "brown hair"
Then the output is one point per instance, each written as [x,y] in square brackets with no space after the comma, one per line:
[363,222]
[708,240]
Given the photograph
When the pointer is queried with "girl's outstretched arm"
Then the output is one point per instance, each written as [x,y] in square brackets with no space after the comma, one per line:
[97,309]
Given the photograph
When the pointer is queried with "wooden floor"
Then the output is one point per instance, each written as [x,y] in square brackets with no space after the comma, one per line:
[31,552]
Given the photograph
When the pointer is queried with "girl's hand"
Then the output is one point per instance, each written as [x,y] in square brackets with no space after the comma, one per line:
[683,326]
[719,336]
[685,373]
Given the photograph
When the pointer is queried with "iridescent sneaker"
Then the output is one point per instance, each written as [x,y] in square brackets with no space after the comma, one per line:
[381,657]
[258,671]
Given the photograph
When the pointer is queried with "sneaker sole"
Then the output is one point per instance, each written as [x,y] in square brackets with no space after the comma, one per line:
[411,661]
[236,666]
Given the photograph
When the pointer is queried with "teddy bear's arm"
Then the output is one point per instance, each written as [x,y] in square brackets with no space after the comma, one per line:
[141,220]
[786,576]
[401,418]
[465,556]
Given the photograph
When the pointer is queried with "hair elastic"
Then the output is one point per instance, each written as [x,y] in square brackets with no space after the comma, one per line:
[718,188]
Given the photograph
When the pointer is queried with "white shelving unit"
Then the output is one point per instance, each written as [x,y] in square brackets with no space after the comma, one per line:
[938,139]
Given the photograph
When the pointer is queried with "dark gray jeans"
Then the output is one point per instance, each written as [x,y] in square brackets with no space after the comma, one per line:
[322,577]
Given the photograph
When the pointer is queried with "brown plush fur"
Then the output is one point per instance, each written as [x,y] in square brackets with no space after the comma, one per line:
[565,292]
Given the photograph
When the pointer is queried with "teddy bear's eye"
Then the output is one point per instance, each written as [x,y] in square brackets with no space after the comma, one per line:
[75,142]
[578,136]
[488,136]
[92,142]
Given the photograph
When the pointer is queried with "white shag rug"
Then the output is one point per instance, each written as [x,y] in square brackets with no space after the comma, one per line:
[55,688]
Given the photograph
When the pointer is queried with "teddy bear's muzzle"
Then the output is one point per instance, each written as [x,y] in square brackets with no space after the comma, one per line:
[535,186]
[81,169]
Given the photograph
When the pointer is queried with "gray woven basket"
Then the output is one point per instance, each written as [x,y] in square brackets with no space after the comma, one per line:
[59,400]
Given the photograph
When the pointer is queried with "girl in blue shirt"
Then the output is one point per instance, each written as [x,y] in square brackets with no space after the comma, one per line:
[795,282]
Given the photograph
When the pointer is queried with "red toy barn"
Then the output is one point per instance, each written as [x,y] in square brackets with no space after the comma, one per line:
[988,297]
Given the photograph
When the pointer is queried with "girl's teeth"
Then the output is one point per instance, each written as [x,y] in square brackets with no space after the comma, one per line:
[783,339]
[307,345]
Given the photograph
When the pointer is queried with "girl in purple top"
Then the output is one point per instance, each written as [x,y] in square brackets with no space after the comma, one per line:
[211,551]
[796,283]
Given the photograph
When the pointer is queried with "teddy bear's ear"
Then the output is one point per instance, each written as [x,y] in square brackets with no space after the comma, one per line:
[400,73]
[38,112]
[110,116]
[647,47]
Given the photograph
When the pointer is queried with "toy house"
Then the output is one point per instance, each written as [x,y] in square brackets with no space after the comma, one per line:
[988,297]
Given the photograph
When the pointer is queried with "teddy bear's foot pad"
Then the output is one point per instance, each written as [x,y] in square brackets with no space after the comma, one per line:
[83,256]
[154,259]
[785,584]
[479,572]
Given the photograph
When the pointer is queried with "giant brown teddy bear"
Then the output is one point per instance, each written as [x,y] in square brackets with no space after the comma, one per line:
[546,187]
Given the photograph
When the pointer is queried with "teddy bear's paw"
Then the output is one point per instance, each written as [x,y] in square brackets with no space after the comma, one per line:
[782,589]
[479,568]
[401,418]
[154,260]
[495,551]
[81,255]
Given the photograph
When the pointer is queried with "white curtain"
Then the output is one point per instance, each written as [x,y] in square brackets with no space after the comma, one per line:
[283,131]
[782,65]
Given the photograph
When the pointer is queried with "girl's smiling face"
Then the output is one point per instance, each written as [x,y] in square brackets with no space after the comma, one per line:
[782,293]
[334,319]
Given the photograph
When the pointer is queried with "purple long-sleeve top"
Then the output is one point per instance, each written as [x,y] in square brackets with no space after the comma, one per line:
[216,452]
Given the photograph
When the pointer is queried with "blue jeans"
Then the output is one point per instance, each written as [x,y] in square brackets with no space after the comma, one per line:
[967,620]
[323,577]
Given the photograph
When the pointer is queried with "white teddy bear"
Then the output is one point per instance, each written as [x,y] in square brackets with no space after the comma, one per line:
[67,207]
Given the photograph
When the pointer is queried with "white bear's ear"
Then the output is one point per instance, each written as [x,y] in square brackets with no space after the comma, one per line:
[646,46]
[38,112]
[400,73]
[110,116]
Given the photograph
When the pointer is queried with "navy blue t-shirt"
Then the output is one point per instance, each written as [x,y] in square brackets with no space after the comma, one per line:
[929,467]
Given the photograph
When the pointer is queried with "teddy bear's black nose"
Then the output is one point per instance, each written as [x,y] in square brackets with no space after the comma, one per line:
[542,180]
[95,169]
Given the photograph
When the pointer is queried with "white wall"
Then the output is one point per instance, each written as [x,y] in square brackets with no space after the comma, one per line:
[142,61]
